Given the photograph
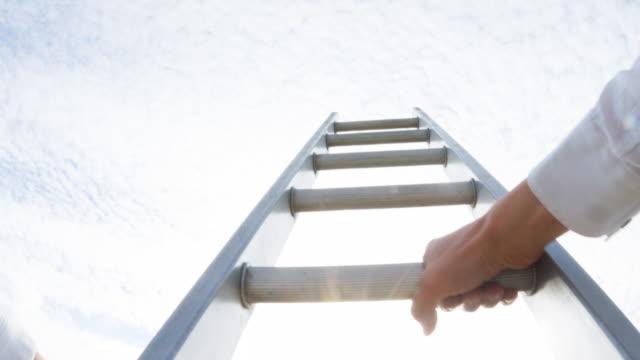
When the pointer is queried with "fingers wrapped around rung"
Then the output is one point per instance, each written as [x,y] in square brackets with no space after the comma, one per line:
[350,283]
[380,197]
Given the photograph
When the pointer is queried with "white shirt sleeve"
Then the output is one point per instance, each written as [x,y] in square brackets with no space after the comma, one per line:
[591,182]
[15,344]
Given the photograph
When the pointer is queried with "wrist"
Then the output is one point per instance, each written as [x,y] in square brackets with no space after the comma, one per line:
[519,227]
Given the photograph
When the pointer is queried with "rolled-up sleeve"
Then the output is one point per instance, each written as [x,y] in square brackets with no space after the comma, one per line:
[591,182]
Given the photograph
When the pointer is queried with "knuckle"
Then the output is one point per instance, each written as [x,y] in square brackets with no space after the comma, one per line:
[430,250]
[426,282]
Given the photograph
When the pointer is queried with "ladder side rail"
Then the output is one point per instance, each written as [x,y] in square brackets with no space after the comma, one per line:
[577,316]
[208,322]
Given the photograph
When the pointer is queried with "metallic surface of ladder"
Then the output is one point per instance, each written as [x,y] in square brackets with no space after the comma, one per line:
[575,314]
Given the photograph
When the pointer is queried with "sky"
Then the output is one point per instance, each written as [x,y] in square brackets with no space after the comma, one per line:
[135,136]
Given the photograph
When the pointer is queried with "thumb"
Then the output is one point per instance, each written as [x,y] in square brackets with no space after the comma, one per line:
[424,309]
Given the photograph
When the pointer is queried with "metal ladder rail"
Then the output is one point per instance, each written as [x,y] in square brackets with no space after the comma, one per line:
[578,318]
[208,322]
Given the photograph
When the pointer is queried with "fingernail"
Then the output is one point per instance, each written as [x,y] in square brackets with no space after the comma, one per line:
[508,301]
[472,305]
[495,298]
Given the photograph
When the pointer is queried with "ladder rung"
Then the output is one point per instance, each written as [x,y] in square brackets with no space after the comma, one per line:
[379,197]
[349,283]
[380,159]
[383,137]
[376,124]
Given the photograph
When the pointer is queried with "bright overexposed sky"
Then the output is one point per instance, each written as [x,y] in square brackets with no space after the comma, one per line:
[136,135]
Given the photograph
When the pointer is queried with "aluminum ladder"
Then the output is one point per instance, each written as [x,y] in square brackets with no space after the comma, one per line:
[574,312]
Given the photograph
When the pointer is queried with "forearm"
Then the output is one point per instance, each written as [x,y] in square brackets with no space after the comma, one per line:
[518,228]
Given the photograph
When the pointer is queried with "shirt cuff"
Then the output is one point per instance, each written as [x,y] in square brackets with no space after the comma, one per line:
[584,184]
